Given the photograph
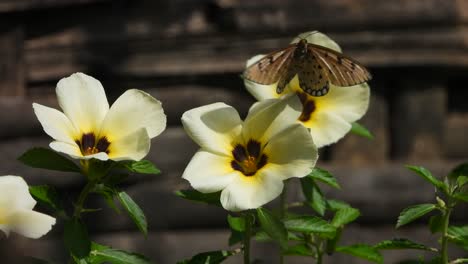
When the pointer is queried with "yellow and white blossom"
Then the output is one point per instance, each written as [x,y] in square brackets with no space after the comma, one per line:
[88,128]
[328,117]
[248,160]
[16,210]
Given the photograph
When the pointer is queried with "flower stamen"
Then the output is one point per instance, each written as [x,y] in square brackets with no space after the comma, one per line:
[88,145]
[248,159]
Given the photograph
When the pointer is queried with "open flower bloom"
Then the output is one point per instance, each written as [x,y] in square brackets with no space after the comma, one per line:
[328,117]
[248,160]
[88,128]
[16,210]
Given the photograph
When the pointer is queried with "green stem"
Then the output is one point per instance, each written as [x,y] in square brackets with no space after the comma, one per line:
[247,235]
[283,209]
[82,198]
[445,225]
[319,252]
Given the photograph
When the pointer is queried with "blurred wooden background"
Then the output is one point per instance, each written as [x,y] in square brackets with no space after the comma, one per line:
[190,53]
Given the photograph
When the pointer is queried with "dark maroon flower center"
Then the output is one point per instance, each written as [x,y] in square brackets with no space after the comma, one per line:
[248,159]
[308,106]
[88,144]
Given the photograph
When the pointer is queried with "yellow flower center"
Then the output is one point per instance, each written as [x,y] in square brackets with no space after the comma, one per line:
[308,106]
[89,145]
[248,159]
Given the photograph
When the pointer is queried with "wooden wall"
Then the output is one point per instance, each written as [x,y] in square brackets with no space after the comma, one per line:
[190,53]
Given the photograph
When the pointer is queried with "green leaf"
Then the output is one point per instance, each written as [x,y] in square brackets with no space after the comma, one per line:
[273,226]
[102,254]
[213,257]
[436,223]
[460,170]
[459,235]
[264,237]
[461,181]
[134,211]
[414,212]
[325,177]
[461,196]
[142,166]
[310,224]
[194,195]
[313,195]
[362,251]
[48,196]
[236,223]
[299,250]
[76,238]
[47,159]
[98,169]
[401,243]
[108,193]
[235,237]
[335,205]
[427,175]
[360,130]
[344,216]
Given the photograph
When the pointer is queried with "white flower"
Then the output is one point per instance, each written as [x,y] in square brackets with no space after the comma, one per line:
[16,210]
[88,128]
[328,117]
[248,160]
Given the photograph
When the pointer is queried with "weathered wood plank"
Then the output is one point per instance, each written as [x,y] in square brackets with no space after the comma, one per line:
[7,6]
[454,143]
[158,56]
[418,119]
[12,70]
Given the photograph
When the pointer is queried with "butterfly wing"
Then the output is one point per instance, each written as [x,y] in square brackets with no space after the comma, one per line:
[271,68]
[340,69]
[311,76]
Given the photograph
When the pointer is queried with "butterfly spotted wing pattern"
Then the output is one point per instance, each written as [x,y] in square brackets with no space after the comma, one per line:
[340,69]
[316,67]
[271,68]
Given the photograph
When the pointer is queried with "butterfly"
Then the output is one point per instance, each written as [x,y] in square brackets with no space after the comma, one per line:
[316,67]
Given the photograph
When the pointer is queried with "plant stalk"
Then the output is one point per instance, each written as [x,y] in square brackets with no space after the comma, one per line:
[82,198]
[247,235]
[444,244]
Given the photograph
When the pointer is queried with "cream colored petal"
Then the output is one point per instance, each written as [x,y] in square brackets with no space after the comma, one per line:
[349,103]
[245,193]
[292,153]
[208,172]
[134,146]
[327,128]
[83,101]
[214,127]
[269,117]
[30,223]
[14,194]
[133,110]
[55,124]
[70,149]
[318,38]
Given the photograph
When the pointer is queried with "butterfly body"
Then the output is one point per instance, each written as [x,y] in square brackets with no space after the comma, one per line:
[316,67]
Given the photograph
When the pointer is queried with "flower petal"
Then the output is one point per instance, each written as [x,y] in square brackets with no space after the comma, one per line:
[245,193]
[292,153]
[318,38]
[83,101]
[134,146]
[269,117]
[74,151]
[208,172]
[327,128]
[14,194]
[30,223]
[349,103]
[70,149]
[133,110]
[55,123]
[214,127]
